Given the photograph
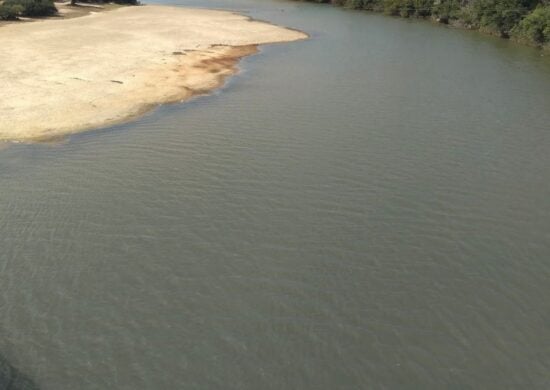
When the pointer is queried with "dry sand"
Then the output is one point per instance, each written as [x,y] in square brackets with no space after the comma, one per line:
[59,77]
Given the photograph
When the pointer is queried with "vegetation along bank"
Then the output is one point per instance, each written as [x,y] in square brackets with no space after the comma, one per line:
[527,21]
[15,9]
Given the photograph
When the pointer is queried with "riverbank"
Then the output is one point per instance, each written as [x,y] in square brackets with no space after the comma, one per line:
[527,23]
[106,68]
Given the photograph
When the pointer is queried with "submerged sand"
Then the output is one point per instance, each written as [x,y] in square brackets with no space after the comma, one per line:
[59,77]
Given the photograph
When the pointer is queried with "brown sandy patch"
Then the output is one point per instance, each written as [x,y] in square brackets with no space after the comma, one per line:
[65,76]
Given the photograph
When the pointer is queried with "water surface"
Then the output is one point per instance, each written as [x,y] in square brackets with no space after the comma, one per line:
[366,209]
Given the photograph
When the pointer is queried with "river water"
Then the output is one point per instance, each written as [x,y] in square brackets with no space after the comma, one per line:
[367,209]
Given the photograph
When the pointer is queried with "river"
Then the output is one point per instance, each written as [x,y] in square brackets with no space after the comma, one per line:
[367,209]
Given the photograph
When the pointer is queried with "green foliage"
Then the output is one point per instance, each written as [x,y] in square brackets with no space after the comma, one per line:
[31,7]
[393,7]
[423,8]
[10,12]
[528,20]
[535,27]
[408,8]
[355,4]
[498,15]
[370,5]
[445,10]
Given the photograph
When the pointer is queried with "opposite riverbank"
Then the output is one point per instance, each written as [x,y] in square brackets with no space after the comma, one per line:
[106,68]
[524,21]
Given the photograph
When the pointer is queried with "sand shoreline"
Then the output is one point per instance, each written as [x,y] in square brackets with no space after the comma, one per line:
[110,67]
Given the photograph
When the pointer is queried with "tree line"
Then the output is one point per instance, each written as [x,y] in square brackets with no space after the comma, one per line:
[524,20]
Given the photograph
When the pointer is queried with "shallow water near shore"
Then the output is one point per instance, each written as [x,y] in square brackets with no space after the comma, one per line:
[369,208]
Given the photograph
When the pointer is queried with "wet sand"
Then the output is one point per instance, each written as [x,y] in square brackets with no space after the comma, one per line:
[60,77]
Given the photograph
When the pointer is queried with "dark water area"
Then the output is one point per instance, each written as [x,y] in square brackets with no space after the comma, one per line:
[367,209]
[12,379]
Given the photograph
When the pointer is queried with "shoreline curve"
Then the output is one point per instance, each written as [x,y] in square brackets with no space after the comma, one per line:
[109,68]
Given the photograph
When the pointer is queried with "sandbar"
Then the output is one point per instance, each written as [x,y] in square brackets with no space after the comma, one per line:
[59,77]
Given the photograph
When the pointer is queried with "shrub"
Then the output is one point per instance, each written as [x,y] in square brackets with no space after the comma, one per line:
[407,8]
[392,7]
[32,7]
[423,8]
[499,15]
[369,5]
[355,4]
[446,10]
[535,27]
[10,12]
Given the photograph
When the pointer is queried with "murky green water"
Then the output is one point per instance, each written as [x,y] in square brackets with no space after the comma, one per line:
[369,209]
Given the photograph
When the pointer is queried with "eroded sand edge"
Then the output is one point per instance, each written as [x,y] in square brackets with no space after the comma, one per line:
[66,76]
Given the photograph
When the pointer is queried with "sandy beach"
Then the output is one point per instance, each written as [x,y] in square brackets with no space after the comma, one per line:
[60,77]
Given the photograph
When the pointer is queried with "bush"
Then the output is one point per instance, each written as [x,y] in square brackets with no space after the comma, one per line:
[31,7]
[407,8]
[10,12]
[499,15]
[423,8]
[535,27]
[446,10]
[392,7]
[369,5]
[355,4]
